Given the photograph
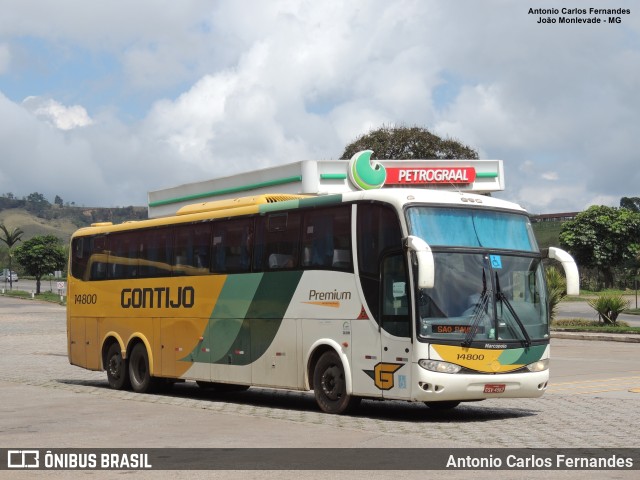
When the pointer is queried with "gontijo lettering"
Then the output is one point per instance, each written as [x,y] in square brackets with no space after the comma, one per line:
[158,297]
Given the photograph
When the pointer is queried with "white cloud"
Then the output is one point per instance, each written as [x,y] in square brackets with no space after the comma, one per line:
[270,82]
[56,114]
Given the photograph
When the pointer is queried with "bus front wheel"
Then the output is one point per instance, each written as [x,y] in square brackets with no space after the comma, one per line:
[330,387]
[116,367]
[139,372]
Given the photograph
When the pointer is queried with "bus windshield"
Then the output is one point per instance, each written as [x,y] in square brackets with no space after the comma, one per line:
[490,286]
[476,228]
[484,297]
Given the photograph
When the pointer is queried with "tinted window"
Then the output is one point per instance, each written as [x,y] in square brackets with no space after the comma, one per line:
[378,230]
[191,249]
[156,253]
[123,255]
[326,238]
[231,245]
[277,241]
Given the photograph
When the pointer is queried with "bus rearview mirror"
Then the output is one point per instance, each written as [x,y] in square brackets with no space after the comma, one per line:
[426,264]
[570,269]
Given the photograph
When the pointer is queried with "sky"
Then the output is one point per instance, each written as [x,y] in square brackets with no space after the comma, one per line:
[104,101]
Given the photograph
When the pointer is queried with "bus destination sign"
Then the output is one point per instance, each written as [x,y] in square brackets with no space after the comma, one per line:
[456,329]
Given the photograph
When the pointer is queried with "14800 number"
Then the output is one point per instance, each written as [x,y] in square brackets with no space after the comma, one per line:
[86,299]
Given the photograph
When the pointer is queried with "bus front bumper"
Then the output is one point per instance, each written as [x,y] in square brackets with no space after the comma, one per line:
[434,387]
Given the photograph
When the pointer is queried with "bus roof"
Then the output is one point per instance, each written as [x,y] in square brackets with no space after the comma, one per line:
[260,204]
[326,177]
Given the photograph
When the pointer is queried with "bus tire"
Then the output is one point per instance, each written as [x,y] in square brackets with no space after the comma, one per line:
[444,405]
[117,368]
[139,373]
[330,386]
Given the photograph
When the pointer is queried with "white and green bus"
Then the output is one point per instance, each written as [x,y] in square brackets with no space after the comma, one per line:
[414,294]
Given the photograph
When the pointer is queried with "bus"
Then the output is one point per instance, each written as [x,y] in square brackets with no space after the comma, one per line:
[400,293]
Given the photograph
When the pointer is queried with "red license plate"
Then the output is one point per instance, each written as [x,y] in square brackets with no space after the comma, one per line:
[494,388]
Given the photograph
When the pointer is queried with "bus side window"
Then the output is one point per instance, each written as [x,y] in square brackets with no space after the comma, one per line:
[99,258]
[231,245]
[123,258]
[277,242]
[79,257]
[326,238]
[156,253]
[192,249]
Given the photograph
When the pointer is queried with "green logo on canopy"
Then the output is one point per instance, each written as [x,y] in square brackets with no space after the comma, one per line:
[365,174]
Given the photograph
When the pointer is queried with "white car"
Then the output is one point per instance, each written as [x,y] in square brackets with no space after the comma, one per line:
[4,276]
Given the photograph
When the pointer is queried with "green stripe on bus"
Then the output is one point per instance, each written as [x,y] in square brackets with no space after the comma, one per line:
[268,308]
[246,318]
[320,201]
[521,356]
[225,191]
[263,318]
[226,319]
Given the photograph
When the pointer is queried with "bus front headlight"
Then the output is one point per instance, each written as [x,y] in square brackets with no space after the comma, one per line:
[439,366]
[539,366]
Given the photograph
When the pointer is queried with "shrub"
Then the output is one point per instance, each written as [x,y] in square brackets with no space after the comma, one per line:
[557,289]
[609,307]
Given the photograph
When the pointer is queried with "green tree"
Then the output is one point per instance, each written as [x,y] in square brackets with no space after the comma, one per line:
[10,237]
[408,143]
[630,203]
[36,203]
[603,238]
[40,256]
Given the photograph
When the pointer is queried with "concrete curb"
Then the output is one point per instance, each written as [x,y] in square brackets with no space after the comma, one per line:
[602,337]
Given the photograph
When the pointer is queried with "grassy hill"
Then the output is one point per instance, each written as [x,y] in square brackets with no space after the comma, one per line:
[43,218]
[33,225]
[547,233]
[60,221]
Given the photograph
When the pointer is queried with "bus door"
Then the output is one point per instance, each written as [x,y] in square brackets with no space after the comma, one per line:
[394,370]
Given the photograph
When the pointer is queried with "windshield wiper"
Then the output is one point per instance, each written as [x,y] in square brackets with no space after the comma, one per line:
[478,312]
[502,297]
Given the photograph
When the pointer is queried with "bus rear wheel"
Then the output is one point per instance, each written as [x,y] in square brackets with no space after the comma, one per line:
[330,386]
[116,367]
[139,372]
